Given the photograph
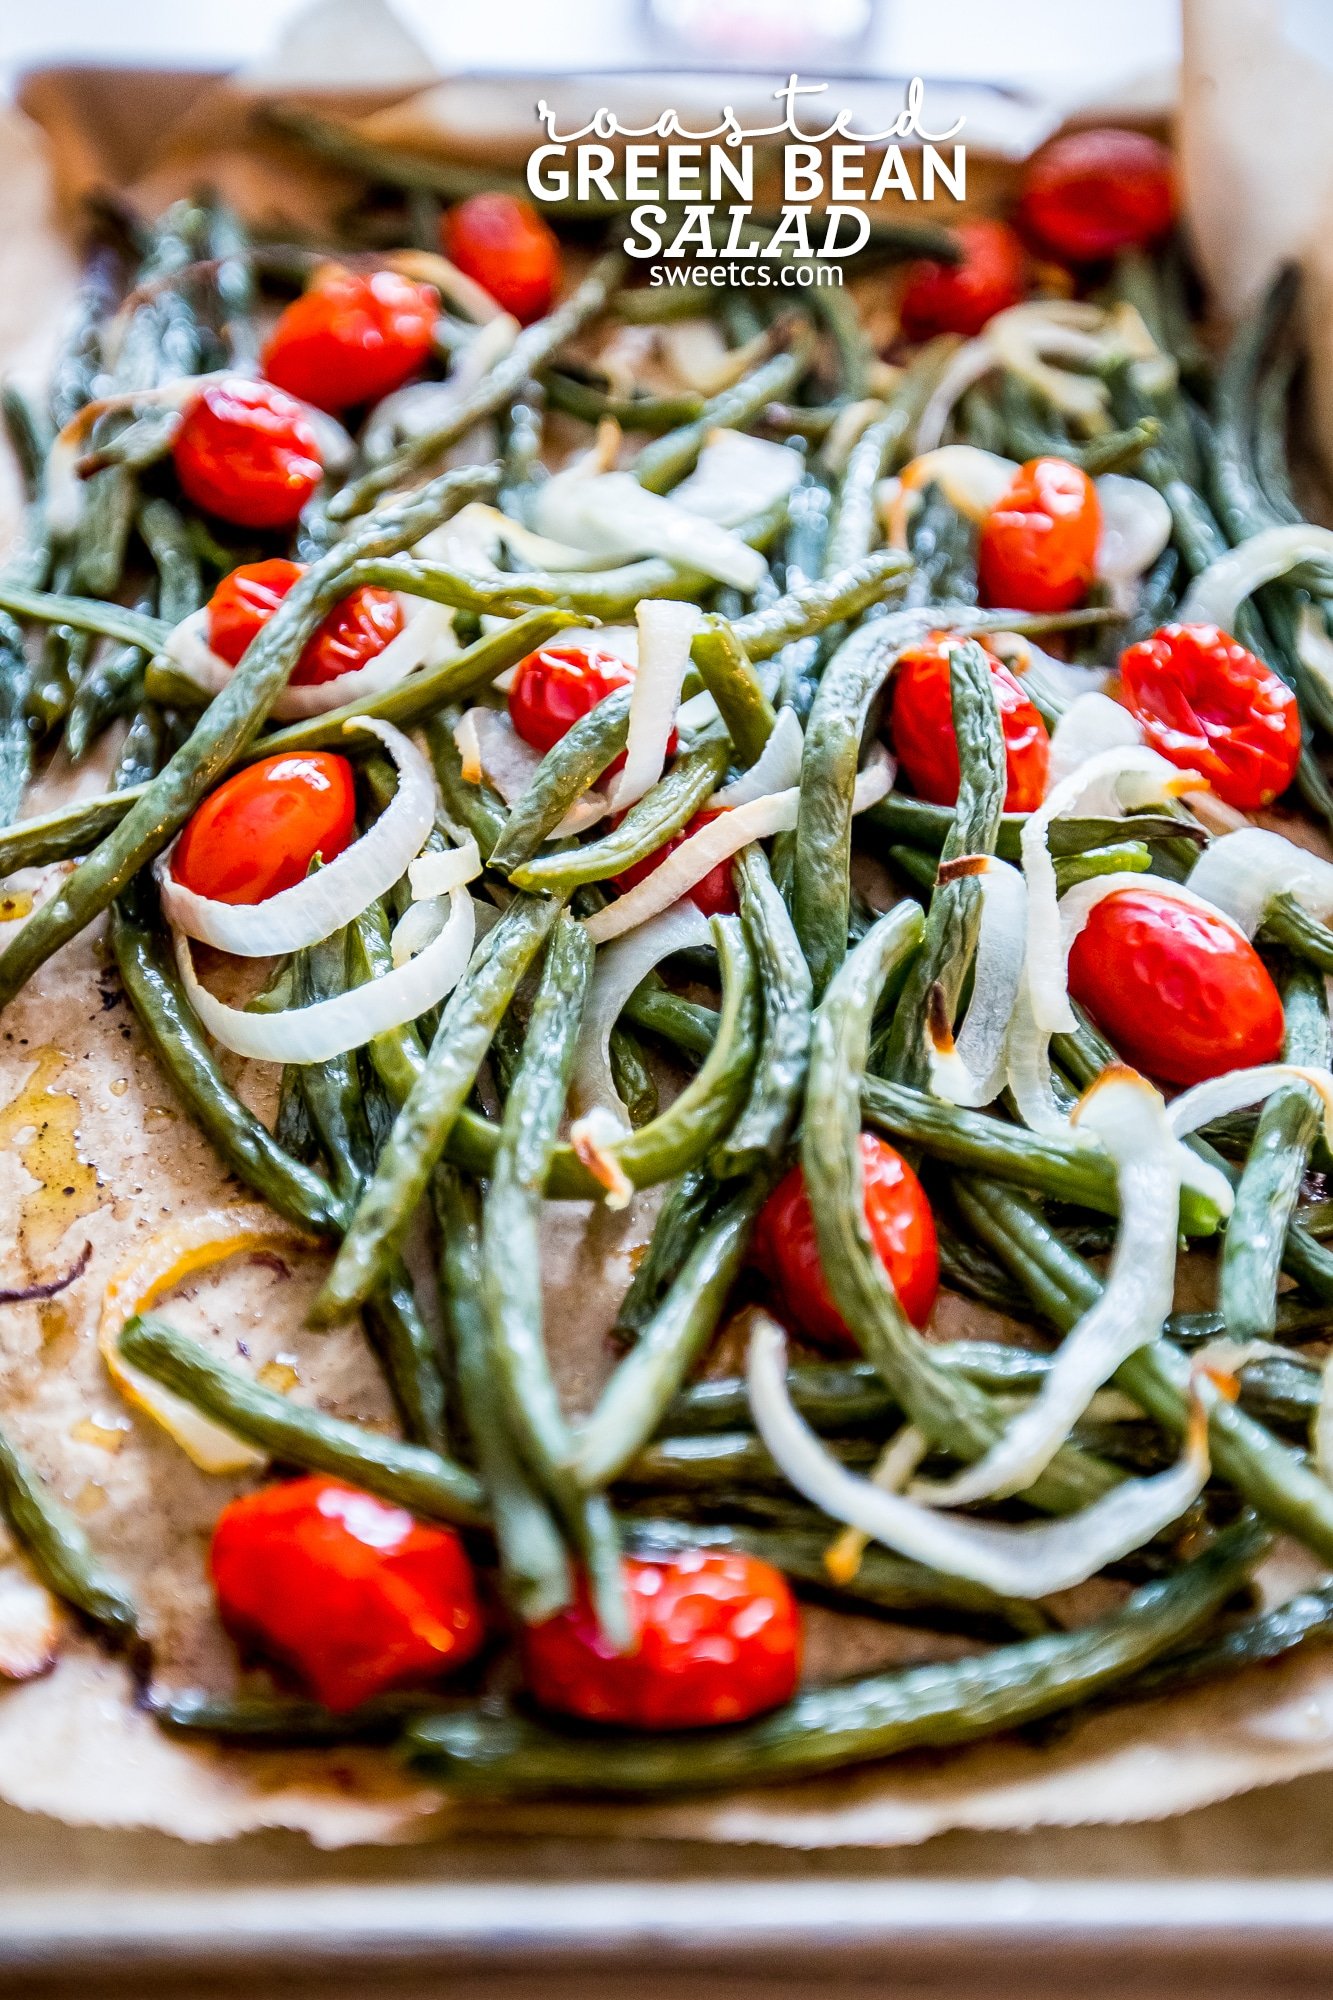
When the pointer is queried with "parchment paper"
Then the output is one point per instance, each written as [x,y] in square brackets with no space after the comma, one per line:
[74,1745]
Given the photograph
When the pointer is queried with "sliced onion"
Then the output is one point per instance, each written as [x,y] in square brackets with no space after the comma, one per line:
[455,287]
[472,539]
[1018,339]
[698,357]
[620,969]
[776,769]
[30,1623]
[348,1020]
[1091,724]
[593,1139]
[1136,527]
[610,514]
[972,480]
[1237,1089]
[1217,593]
[436,873]
[1032,1560]
[696,713]
[487,736]
[1128,1118]
[737,477]
[970,1069]
[666,633]
[696,857]
[1240,873]
[1054,683]
[1028,1068]
[1314,648]
[426,639]
[323,902]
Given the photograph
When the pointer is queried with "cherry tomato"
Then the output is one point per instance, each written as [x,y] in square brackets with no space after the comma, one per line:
[1181,992]
[922,733]
[902,1230]
[555,686]
[354,632]
[1209,706]
[261,829]
[717,1639]
[503,243]
[1038,548]
[1088,194]
[715,895]
[961,297]
[351,339]
[248,453]
[349,1593]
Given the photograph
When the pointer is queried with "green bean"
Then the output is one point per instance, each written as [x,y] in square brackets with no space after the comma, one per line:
[225,731]
[632,413]
[767,1118]
[675,1232]
[284,1722]
[1118,451]
[1242,507]
[925,825]
[531,351]
[629,1072]
[815,605]
[68,830]
[1122,857]
[853,530]
[564,774]
[725,1465]
[30,436]
[646,827]
[1288,922]
[470,808]
[110,686]
[735,686]
[685,1024]
[86,614]
[407,1474]
[59,1551]
[423,1124]
[180,587]
[851,1722]
[665,462]
[1306,1619]
[15,736]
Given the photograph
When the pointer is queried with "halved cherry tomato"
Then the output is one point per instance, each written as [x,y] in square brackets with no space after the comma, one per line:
[261,829]
[1180,991]
[902,1230]
[1038,547]
[350,1594]
[715,895]
[552,688]
[961,297]
[248,453]
[355,632]
[1209,706]
[351,339]
[922,733]
[1088,194]
[717,1637]
[503,243]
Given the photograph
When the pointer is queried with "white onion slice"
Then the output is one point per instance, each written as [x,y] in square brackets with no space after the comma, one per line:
[472,539]
[696,857]
[1136,527]
[1314,648]
[1089,725]
[970,1069]
[737,477]
[610,514]
[1031,1560]
[666,633]
[1028,1068]
[1237,1089]
[776,769]
[972,480]
[1018,339]
[436,873]
[1057,683]
[426,639]
[696,713]
[1128,1117]
[622,967]
[330,1027]
[1240,873]
[323,902]
[1217,593]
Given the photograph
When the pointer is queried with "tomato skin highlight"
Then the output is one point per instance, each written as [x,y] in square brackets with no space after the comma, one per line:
[1038,546]
[505,245]
[960,298]
[902,1230]
[261,829]
[715,895]
[352,1595]
[556,686]
[355,632]
[1208,705]
[922,733]
[1088,194]
[717,1639]
[351,339]
[1180,991]
[248,453]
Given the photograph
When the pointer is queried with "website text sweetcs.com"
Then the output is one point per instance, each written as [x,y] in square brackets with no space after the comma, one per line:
[759,276]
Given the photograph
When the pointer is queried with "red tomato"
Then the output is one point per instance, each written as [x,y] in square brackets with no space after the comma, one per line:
[715,895]
[351,339]
[902,1230]
[921,728]
[717,1639]
[503,243]
[1208,705]
[354,633]
[248,453]
[351,1594]
[261,829]
[555,686]
[1088,194]
[961,297]
[1180,991]
[1038,548]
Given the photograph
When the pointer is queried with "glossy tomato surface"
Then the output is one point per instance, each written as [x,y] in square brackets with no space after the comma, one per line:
[557,685]
[717,1639]
[1038,546]
[261,829]
[959,298]
[1180,991]
[922,733]
[1088,194]
[902,1230]
[715,895]
[351,1595]
[354,632]
[248,453]
[351,339]
[1210,706]
[504,244]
